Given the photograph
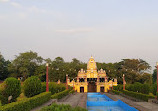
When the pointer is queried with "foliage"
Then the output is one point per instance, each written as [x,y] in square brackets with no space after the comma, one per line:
[138,87]
[140,96]
[59,68]
[32,86]
[154,88]
[72,91]
[53,87]
[60,94]
[133,70]
[10,87]
[25,64]
[116,92]
[154,75]
[30,64]
[62,107]
[27,104]
[3,68]
[119,87]
[157,95]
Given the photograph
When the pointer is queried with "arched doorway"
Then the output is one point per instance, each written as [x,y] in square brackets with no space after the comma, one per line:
[91,87]
[101,89]
[81,89]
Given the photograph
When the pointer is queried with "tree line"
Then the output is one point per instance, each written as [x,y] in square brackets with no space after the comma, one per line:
[31,64]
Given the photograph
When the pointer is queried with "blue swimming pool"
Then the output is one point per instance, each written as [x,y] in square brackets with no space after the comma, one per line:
[101,102]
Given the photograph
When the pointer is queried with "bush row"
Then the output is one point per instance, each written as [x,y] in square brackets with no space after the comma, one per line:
[53,87]
[72,91]
[137,95]
[62,107]
[60,94]
[119,87]
[138,87]
[116,92]
[28,103]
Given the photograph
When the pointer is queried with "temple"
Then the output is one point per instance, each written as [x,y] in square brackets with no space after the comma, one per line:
[92,80]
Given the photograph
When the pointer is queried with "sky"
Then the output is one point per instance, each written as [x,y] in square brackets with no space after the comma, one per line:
[109,30]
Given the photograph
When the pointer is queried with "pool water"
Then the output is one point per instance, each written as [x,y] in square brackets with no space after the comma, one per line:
[101,102]
[105,108]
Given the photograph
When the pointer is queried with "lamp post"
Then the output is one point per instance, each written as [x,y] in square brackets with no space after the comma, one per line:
[123,82]
[157,77]
[47,87]
[112,84]
[66,81]
[73,84]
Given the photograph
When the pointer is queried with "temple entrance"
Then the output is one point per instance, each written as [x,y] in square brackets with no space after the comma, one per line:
[81,89]
[91,87]
[101,89]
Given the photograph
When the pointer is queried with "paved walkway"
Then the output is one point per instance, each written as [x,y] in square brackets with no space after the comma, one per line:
[141,106]
[77,99]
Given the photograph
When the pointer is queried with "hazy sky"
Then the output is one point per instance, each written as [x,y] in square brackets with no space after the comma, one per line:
[110,30]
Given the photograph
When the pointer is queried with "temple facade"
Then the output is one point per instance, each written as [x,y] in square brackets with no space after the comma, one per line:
[92,80]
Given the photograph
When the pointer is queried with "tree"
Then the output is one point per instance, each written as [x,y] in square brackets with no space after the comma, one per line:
[133,69]
[25,64]
[154,75]
[3,68]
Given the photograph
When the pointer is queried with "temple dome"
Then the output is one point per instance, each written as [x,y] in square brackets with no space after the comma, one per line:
[91,65]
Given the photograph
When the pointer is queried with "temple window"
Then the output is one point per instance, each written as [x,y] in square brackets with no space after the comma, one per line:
[101,79]
[81,80]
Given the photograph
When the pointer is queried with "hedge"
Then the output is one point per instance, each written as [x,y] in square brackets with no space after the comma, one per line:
[27,104]
[62,107]
[60,94]
[53,87]
[116,92]
[137,95]
[72,91]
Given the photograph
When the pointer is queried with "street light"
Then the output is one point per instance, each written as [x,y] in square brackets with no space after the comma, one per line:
[123,82]
[112,84]
[66,81]
[47,87]
[73,84]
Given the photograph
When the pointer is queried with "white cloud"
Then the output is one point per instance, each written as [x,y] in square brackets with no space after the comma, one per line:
[78,30]
[15,4]
[4,0]
[36,10]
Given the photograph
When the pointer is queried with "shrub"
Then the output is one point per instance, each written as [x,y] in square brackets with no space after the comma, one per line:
[140,96]
[154,88]
[32,86]
[72,91]
[145,89]
[28,103]
[10,87]
[116,92]
[157,95]
[60,94]
[62,107]
[53,87]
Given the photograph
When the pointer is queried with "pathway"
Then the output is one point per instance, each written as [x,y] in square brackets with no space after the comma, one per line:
[77,99]
[141,106]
